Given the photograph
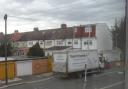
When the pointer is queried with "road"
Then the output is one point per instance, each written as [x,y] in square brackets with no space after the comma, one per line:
[107,80]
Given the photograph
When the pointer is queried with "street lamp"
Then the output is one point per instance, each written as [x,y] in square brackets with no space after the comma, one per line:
[6,65]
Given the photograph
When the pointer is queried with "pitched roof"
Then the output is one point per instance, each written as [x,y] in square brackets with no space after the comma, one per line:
[50,34]
[34,35]
[11,37]
[15,36]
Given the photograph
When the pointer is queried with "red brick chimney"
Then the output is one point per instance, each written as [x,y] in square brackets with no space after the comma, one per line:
[16,31]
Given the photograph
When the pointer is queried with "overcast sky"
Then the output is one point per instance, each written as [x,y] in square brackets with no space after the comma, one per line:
[26,14]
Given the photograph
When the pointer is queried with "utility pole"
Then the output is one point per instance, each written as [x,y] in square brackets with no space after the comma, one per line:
[85,78]
[89,36]
[6,64]
[81,30]
[73,36]
[88,42]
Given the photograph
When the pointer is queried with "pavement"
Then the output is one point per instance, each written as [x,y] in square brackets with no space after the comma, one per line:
[25,79]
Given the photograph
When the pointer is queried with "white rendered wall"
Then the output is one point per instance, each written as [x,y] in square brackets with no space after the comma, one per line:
[93,46]
[104,37]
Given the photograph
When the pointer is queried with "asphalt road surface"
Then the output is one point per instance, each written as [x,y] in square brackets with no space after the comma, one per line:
[108,80]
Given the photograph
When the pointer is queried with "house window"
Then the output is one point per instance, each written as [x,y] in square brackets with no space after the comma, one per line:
[88,29]
[30,43]
[85,43]
[23,43]
[75,29]
[89,42]
[41,42]
[49,43]
[76,42]
[69,42]
[59,42]
[16,44]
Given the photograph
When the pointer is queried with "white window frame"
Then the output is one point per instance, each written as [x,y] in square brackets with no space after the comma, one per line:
[69,42]
[75,29]
[75,42]
[88,29]
[48,42]
[59,42]
[41,42]
[30,43]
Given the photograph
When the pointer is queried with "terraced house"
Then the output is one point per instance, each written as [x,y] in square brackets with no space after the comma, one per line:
[84,37]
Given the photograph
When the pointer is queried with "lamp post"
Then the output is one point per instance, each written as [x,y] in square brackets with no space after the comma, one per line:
[6,65]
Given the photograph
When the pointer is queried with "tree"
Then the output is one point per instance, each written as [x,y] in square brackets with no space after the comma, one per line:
[2,49]
[119,35]
[36,51]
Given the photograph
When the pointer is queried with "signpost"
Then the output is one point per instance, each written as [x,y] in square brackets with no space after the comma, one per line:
[85,78]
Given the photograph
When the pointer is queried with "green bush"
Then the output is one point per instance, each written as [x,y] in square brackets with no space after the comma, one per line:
[36,51]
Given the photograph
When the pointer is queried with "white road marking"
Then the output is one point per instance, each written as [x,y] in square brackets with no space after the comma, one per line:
[120,72]
[103,74]
[41,80]
[5,86]
[13,80]
[112,85]
[39,87]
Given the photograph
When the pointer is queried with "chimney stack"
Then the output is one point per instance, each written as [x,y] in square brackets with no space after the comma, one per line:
[16,31]
[36,29]
[63,26]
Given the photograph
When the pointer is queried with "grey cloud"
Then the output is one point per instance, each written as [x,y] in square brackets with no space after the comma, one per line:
[83,12]
[63,10]
[60,2]
[23,1]
[73,12]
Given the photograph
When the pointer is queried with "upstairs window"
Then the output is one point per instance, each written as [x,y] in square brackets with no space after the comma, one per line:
[17,44]
[49,43]
[75,29]
[30,43]
[41,42]
[59,42]
[88,29]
